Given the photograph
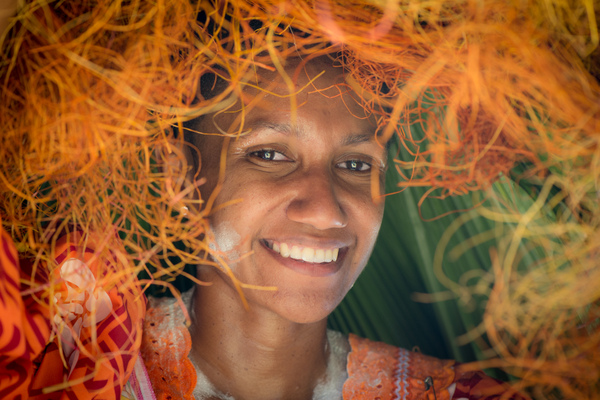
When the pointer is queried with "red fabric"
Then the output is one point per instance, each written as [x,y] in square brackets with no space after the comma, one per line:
[103,350]
[475,385]
[24,326]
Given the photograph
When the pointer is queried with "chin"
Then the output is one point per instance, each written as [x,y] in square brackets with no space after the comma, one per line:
[311,318]
[307,308]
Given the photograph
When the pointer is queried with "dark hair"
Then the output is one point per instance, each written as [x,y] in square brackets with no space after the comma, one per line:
[211,85]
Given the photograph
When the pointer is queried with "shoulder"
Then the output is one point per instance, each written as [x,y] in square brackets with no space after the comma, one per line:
[382,371]
[377,369]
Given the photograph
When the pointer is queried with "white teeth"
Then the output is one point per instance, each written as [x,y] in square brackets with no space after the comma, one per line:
[285,251]
[296,253]
[306,254]
[319,256]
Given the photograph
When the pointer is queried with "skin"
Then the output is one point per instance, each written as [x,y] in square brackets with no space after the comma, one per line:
[299,183]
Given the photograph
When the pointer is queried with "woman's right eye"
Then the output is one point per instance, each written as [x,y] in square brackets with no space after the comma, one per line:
[269,155]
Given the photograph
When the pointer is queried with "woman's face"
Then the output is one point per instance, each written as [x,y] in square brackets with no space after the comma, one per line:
[296,209]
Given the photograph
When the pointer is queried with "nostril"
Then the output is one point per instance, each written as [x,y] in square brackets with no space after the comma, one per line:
[315,202]
[319,213]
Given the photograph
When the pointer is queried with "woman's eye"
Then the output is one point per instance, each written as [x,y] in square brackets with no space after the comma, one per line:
[269,155]
[355,165]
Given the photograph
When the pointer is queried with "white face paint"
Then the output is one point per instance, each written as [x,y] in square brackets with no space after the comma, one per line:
[226,242]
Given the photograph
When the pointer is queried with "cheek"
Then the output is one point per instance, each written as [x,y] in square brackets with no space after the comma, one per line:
[227,239]
[375,226]
[369,215]
[237,220]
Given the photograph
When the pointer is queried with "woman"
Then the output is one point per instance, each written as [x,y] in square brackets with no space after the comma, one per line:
[91,202]
[296,216]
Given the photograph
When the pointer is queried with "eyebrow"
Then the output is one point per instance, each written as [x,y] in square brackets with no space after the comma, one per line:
[284,128]
[288,130]
[358,138]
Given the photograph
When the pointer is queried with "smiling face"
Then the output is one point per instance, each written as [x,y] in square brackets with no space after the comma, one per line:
[302,215]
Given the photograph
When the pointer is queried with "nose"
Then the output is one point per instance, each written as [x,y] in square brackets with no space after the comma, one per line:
[315,202]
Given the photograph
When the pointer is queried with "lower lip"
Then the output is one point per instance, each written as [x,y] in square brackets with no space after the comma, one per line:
[306,268]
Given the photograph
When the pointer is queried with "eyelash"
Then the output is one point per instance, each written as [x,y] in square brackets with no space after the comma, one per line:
[352,165]
[262,152]
[358,164]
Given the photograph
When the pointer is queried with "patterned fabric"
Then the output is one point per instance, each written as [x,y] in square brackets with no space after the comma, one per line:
[139,386]
[381,371]
[24,326]
[96,332]
[165,349]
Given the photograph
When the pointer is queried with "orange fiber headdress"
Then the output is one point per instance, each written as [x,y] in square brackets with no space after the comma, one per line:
[92,93]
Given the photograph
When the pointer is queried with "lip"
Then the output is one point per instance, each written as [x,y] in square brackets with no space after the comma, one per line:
[310,269]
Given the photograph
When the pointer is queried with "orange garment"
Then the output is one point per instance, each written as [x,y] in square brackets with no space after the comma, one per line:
[380,371]
[376,370]
[97,331]
[24,326]
[165,348]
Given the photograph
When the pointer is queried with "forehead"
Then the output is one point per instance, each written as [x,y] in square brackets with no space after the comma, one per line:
[298,97]
[299,93]
[318,73]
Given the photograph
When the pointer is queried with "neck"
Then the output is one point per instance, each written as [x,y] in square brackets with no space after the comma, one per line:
[237,348]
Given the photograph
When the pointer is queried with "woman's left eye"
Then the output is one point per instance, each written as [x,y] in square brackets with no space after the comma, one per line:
[355,165]
[269,155]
